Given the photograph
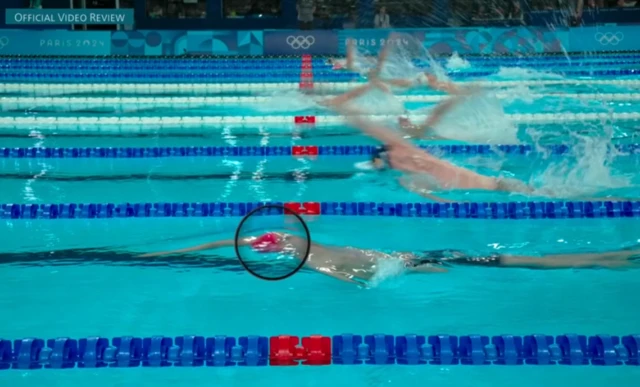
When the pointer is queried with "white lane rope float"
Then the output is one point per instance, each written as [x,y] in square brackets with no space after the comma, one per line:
[191,88]
[137,124]
[13,103]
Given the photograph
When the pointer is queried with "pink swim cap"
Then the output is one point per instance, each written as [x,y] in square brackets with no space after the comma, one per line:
[267,243]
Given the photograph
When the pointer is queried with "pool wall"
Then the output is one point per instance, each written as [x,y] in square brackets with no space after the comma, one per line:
[527,40]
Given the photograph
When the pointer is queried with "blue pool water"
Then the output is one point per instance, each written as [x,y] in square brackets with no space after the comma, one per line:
[75,277]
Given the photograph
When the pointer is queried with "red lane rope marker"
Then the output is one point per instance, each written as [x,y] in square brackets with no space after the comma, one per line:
[306,72]
[306,83]
[286,350]
[304,119]
[306,208]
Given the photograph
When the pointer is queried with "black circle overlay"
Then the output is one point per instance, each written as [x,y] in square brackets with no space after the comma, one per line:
[285,211]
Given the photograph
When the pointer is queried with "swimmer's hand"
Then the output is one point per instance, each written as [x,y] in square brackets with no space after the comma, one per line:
[411,186]
[206,246]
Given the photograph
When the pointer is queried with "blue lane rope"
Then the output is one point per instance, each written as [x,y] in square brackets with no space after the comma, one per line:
[326,76]
[344,349]
[267,151]
[469,210]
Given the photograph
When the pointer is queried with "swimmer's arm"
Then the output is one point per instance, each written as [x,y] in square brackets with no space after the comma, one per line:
[206,246]
[411,187]
[350,65]
[379,132]
[438,112]
[382,57]
[340,276]
[447,87]
[346,97]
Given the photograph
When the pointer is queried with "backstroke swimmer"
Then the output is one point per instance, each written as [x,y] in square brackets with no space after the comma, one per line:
[358,266]
[424,173]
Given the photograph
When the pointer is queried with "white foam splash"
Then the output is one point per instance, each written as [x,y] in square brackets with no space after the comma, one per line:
[585,171]
[455,62]
[386,269]
[524,73]
[480,118]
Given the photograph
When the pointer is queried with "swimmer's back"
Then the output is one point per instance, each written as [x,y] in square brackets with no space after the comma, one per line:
[446,174]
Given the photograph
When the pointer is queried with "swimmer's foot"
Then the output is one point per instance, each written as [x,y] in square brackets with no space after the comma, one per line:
[610,260]
[426,268]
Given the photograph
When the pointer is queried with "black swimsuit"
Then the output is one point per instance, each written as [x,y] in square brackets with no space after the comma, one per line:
[455,258]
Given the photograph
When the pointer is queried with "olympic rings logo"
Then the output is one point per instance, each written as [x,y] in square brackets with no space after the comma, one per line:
[4,41]
[300,42]
[609,38]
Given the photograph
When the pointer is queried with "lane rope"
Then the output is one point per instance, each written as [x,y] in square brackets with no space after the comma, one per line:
[467,210]
[204,87]
[278,151]
[317,350]
[208,122]
[12,103]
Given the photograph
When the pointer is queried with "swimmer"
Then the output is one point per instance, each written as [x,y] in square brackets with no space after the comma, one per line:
[345,64]
[423,172]
[358,266]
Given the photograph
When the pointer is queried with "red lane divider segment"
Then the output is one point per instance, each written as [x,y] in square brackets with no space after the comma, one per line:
[306,72]
[299,150]
[304,120]
[285,351]
[306,208]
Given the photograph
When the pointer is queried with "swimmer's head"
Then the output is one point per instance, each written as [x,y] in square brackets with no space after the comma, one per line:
[270,242]
[284,243]
[404,122]
[379,158]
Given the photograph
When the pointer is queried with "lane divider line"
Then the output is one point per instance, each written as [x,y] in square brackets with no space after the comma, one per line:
[318,350]
[468,210]
[277,151]
[155,123]
[12,103]
[232,75]
[203,87]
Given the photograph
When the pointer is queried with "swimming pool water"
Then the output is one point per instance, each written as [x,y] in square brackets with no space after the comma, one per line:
[75,277]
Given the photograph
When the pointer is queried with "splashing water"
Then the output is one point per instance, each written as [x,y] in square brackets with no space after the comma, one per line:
[480,118]
[585,171]
[455,62]
[387,269]
[404,58]
[378,102]
[523,74]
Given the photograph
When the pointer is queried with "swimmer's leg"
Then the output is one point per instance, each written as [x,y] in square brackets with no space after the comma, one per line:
[426,268]
[612,260]
[438,112]
[422,264]
[382,57]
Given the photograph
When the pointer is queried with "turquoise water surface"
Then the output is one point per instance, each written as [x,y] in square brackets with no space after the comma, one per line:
[79,278]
